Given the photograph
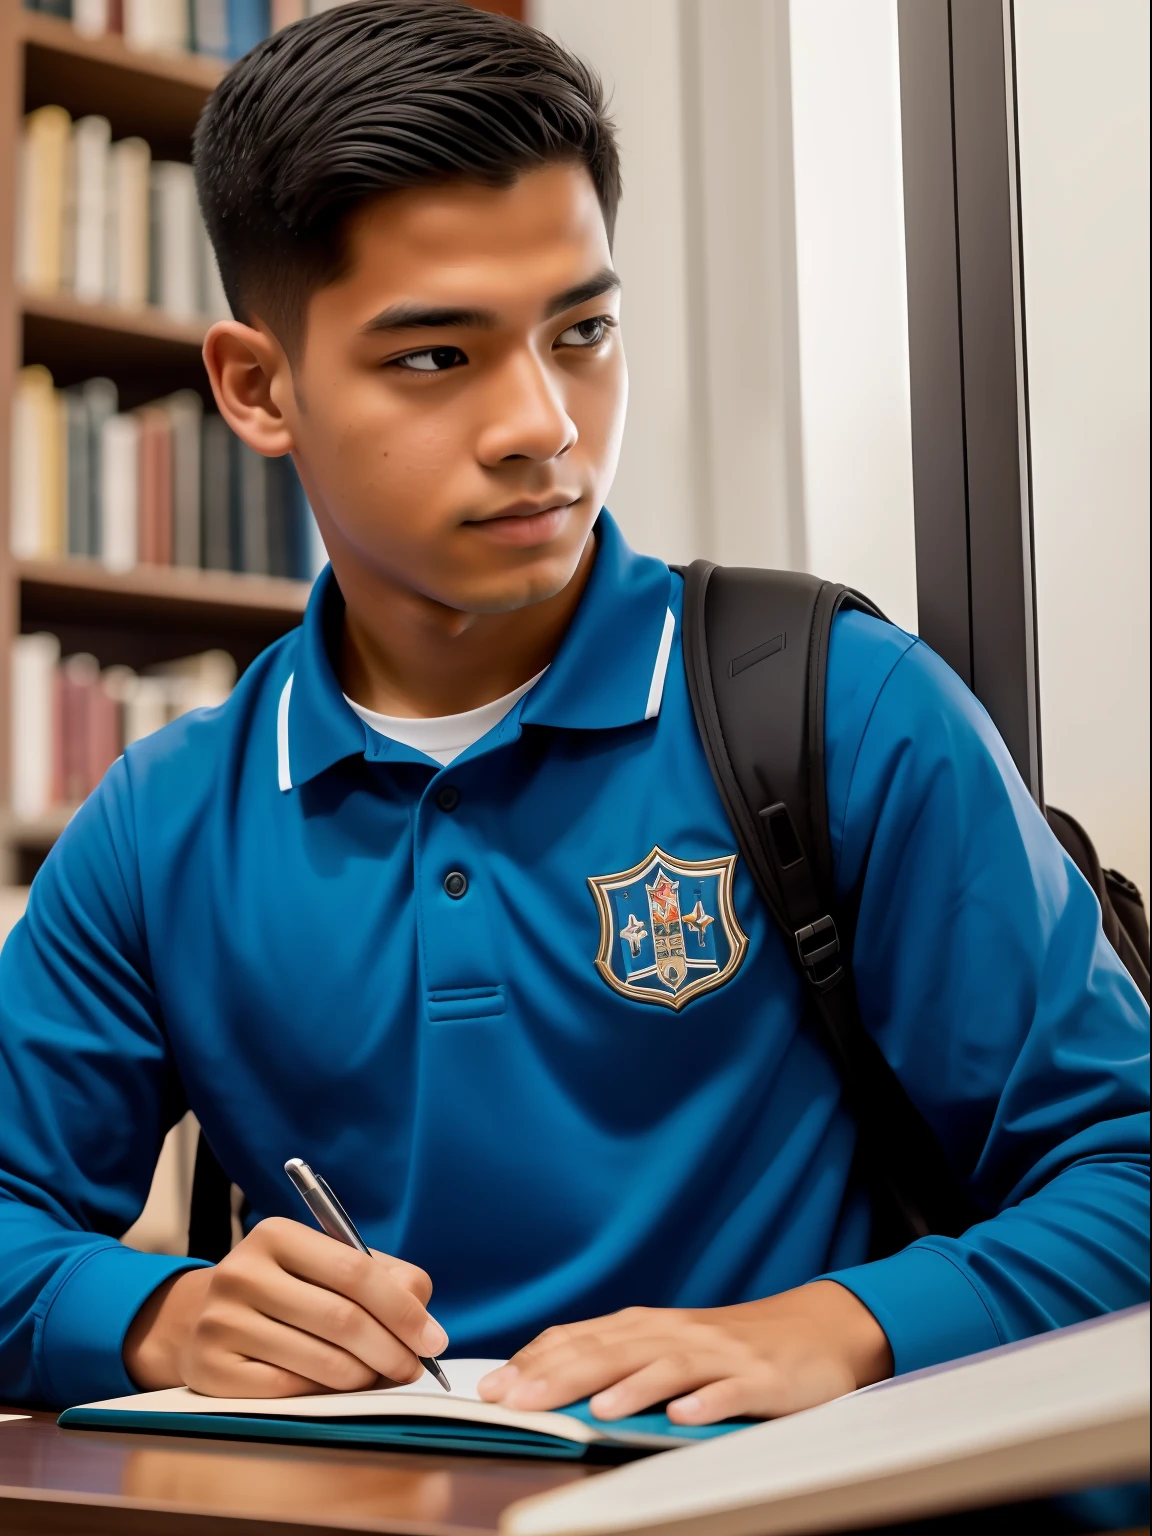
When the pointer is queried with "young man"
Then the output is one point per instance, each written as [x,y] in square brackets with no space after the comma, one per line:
[355,915]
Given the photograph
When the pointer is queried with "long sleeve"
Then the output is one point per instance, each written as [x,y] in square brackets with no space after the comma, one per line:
[87,1092]
[983,973]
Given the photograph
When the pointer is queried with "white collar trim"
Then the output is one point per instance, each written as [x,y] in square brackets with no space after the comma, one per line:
[660,670]
[283,761]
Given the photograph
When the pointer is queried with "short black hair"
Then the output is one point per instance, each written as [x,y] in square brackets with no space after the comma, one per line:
[370,98]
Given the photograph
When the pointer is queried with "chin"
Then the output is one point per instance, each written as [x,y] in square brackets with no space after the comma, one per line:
[523,588]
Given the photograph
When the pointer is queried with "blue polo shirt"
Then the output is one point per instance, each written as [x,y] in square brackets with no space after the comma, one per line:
[528,1014]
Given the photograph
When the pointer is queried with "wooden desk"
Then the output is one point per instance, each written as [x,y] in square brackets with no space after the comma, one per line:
[86,1483]
[61,1482]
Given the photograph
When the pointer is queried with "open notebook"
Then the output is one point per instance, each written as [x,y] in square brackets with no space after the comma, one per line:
[1063,1411]
[419,1415]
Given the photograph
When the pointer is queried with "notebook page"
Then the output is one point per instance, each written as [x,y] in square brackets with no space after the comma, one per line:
[1075,1393]
[463,1374]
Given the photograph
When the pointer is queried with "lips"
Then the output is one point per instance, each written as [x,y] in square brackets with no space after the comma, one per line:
[525,523]
[529,508]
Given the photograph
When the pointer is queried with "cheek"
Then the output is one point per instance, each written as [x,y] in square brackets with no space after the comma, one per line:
[599,403]
[370,447]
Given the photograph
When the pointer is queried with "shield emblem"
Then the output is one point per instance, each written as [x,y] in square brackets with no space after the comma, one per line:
[668,928]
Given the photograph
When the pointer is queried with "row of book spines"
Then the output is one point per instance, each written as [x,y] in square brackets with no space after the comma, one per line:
[221,29]
[162,485]
[103,221]
[71,720]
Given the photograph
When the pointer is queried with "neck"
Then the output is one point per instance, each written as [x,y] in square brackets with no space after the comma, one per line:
[404,654]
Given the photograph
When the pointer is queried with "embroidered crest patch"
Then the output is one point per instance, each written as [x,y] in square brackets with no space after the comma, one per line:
[668,929]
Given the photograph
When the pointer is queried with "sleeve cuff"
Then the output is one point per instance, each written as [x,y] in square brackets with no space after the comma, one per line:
[82,1336]
[926,1305]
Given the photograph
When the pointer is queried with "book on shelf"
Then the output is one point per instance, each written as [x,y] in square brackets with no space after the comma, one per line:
[87,232]
[159,26]
[154,506]
[33,664]
[185,412]
[174,241]
[119,545]
[71,718]
[161,485]
[216,495]
[103,221]
[94,18]
[38,466]
[127,257]
[42,189]
[219,29]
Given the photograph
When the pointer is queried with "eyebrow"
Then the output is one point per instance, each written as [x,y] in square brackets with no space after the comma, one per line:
[408,316]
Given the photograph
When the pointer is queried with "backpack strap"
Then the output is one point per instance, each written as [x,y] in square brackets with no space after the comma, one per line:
[756,655]
[1122,913]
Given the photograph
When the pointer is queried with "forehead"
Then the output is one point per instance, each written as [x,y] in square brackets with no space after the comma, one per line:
[467,243]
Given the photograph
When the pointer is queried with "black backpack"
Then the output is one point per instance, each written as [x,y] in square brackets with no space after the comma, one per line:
[763,731]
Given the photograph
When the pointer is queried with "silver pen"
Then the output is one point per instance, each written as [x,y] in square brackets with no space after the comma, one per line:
[335,1220]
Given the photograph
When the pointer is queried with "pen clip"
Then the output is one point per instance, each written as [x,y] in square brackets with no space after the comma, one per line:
[330,1194]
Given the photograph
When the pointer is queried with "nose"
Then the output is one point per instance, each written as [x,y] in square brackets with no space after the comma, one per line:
[528,418]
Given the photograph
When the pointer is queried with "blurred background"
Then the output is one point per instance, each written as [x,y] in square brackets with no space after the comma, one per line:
[886,284]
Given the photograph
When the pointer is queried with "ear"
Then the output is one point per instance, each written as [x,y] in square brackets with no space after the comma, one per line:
[248,371]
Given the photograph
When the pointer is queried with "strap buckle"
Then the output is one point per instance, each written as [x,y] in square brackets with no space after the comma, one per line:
[818,946]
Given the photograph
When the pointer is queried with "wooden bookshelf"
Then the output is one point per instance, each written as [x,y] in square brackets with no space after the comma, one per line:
[148,325]
[158,96]
[149,614]
[229,592]
[154,354]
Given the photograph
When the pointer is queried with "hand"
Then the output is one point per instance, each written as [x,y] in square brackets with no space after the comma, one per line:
[289,1311]
[759,1359]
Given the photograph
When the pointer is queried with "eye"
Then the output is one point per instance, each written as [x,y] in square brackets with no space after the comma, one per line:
[585,333]
[432,360]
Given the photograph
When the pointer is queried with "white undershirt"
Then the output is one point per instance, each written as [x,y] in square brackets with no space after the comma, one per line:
[444,737]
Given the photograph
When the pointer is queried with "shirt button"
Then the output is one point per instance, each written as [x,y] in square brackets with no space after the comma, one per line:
[455,884]
[448,797]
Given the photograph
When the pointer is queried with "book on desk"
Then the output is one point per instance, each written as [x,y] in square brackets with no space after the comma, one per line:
[1066,1410]
[415,1416]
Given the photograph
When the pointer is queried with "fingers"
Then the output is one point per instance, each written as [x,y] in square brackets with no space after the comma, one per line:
[288,1358]
[764,1393]
[220,1375]
[290,1311]
[735,1398]
[565,1374]
[586,1359]
[410,1276]
[325,1315]
[761,1359]
[381,1289]
[674,1372]
[551,1351]
[710,1365]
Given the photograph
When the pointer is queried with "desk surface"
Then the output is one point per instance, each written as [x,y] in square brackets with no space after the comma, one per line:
[69,1482]
[62,1482]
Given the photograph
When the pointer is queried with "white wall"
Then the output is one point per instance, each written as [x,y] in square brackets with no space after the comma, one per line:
[761,245]
[1082,86]
[742,269]
[635,45]
[855,406]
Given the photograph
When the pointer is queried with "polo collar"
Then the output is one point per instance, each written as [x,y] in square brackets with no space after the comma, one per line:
[315,727]
[610,668]
[608,672]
